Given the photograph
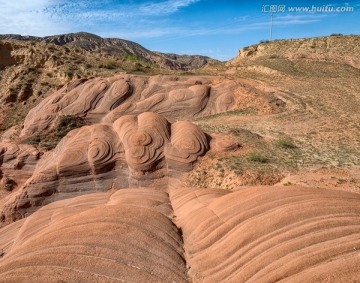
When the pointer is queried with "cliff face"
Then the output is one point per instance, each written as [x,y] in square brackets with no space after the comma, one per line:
[5,54]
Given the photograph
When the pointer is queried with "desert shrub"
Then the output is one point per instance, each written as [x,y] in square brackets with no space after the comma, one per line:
[131,57]
[285,142]
[67,123]
[187,73]
[110,65]
[12,97]
[69,73]
[51,138]
[137,67]
[33,140]
[257,157]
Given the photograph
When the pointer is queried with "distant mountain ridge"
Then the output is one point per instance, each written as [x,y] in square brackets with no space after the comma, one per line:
[119,48]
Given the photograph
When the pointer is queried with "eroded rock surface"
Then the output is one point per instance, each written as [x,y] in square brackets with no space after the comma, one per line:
[126,236]
[265,234]
[136,134]
[262,234]
[107,99]
[17,163]
[133,151]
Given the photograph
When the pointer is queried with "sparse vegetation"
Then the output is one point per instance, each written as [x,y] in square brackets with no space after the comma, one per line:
[257,157]
[131,57]
[285,142]
[109,64]
[230,171]
[51,138]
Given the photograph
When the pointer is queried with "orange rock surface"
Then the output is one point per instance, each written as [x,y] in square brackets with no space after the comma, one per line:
[269,234]
[126,236]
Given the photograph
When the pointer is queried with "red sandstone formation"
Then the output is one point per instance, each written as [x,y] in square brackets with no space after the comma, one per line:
[132,151]
[120,237]
[265,234]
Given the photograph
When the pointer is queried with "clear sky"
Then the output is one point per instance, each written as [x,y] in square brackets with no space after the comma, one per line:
[213,28]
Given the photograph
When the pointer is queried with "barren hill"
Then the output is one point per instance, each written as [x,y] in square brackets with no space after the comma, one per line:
[336,48]
[250,173]
[119,48]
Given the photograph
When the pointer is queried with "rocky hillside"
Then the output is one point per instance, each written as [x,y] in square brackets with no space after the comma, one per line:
[32,67]
[120,48]
[29,70]
[336,48]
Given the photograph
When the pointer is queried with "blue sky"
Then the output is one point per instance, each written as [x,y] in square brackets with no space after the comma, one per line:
[209,27]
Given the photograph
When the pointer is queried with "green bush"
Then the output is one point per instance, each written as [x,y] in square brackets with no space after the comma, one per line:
[257,157]
[285,142]
[132,57]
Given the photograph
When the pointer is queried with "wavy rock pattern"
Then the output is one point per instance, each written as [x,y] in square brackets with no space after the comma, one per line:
[107,99]
[270,234]
[119,149]
[266,234]
[133,151]
[187,143]
[17,162]
[76,98]
[123,237]
[143,138]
